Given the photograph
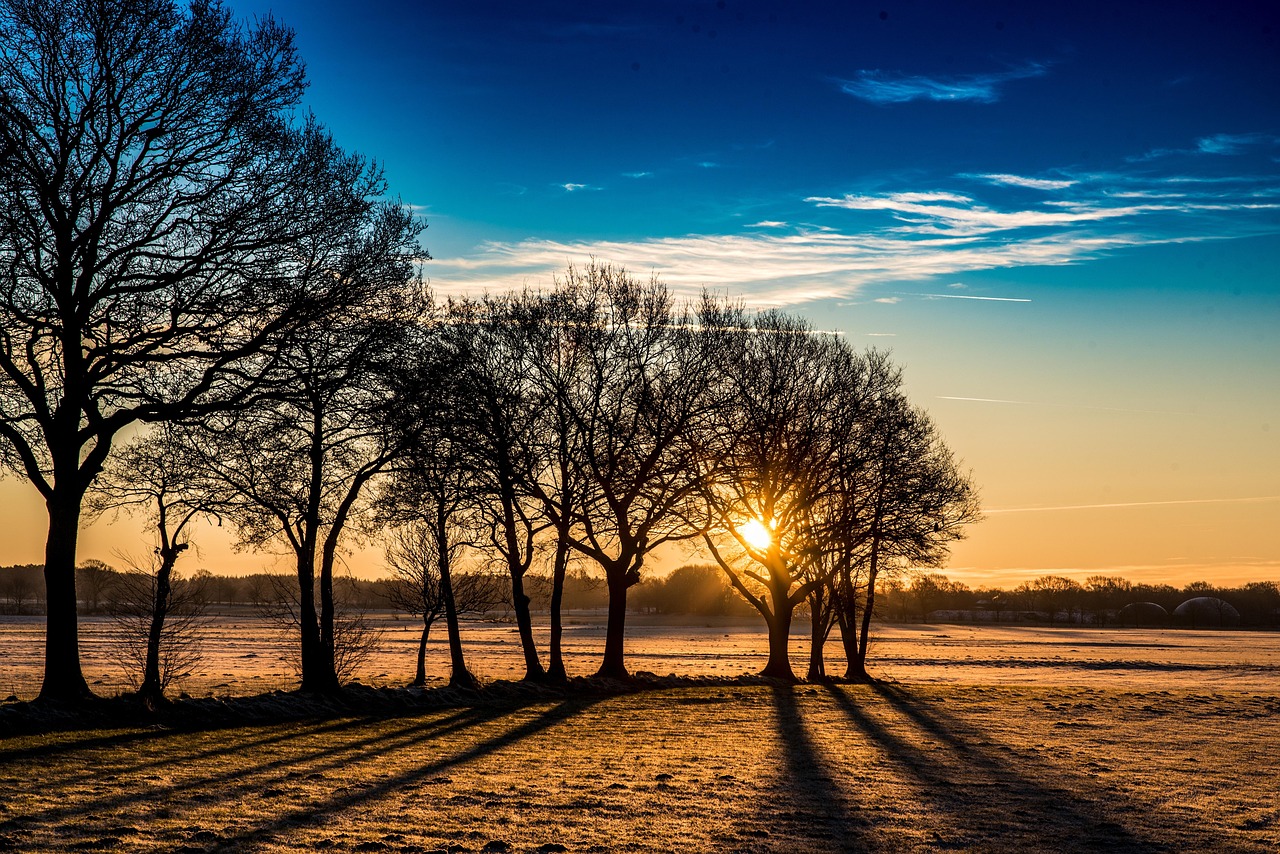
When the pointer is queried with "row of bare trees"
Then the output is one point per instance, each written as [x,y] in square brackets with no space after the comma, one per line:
[211,310]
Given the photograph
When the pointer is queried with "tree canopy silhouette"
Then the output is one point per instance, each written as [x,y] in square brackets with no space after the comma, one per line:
[159,205]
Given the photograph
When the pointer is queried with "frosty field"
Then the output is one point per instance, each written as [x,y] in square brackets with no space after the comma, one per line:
[977,739]
[247,655]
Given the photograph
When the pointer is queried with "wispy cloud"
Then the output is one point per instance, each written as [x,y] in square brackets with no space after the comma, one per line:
[913,234]
[943,213]
[883,87]
[637,174]
[1126,504]
[1229,143]
[950,214]
[1030,183]
[1219,144]
[767,269]
[889,300]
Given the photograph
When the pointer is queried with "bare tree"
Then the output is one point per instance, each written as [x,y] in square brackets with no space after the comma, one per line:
[645,378]
[295,469]
[1054,593]
[153,652]
[415,585]
[901,499]
[19,585]
[97,581]
[552,329]
[355,638]
[496,411]
[434,482]
[155,475]
[158,205]
[767,457]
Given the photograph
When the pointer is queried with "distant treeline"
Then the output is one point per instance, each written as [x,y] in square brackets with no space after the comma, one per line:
[703,590]
[1101,600]
[102,590]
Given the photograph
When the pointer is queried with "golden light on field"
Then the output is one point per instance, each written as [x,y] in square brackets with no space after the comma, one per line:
[756,534]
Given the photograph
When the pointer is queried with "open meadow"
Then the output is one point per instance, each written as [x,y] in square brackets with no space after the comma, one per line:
[976,739]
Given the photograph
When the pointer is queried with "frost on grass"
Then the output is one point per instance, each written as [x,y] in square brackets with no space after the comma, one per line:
[711,768]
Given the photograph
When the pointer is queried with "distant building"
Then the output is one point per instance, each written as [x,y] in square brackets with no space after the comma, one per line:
[1143,614]
[1206,612]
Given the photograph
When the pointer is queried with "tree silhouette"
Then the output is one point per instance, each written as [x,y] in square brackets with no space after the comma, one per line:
[415,586]
[646,377]
[296,468]
[156,475]
[766,461]
[156,195]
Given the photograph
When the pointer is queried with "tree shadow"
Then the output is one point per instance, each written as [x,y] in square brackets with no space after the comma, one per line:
[985,798]
[234,780]
[74,742]
[342,800]
[806,810]
[274,767]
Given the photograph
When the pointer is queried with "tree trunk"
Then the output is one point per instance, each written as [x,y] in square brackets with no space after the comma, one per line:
[779,664]
[459,675]
[317,668]
[858,667]
[63,678]
[555,666]
[152,690]
[328,653]
[614,666]
[533,671]
[420,678]
[820,613]
[847,615]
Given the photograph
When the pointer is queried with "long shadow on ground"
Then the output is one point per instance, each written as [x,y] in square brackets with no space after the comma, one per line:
[805,809]
[231,781]
[343,800]
[984,798]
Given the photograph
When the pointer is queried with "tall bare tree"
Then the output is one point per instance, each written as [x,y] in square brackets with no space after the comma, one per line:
[415,585]
[646,378]
[497,414]
[434,483]
[555,330]
[767,457]
[296,468]
[903,499]
[155,193]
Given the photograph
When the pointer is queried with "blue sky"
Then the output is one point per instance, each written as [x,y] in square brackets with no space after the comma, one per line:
[842,148]
[1064,219]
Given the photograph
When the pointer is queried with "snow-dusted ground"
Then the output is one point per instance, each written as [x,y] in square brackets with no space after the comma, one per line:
[246,654]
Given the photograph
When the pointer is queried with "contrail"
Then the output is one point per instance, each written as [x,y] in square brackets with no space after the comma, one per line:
[1256,500]
[1062,405]
[962,296]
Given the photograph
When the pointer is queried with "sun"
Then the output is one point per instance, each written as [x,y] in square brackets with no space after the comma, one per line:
[756,533]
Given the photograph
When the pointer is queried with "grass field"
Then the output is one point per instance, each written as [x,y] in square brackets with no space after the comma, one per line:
[1142,742]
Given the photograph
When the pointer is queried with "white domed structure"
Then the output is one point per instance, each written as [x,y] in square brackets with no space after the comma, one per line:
[1206,612]
[1143,614]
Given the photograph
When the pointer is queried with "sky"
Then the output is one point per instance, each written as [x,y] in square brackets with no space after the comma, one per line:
[1063,220]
